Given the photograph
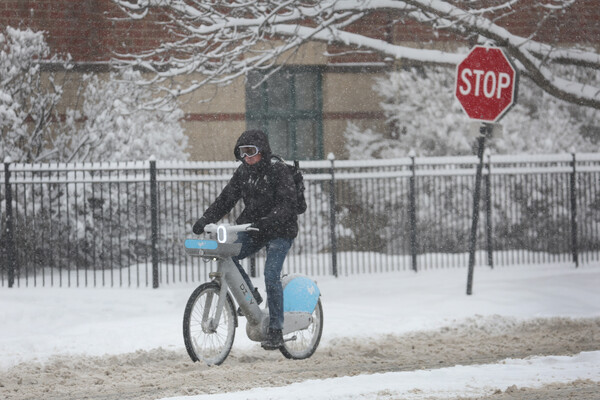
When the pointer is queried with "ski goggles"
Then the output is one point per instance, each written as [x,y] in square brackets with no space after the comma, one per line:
[248,151]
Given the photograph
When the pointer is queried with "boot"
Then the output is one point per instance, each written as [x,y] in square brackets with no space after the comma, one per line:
[257,297]
[274,340]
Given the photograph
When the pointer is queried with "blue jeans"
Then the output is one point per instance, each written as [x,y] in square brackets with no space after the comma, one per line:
[277,250]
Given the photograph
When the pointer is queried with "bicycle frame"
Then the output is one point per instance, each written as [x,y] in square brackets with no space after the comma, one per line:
[229,277]
[231,281]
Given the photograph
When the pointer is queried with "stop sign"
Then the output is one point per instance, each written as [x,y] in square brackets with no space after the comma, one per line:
[486,84]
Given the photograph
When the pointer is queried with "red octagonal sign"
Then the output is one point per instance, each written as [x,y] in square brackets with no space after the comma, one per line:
[486,84]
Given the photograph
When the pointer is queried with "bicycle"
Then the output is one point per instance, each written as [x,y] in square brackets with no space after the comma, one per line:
[210,316]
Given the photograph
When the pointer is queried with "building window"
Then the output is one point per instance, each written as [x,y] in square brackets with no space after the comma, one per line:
[288,107]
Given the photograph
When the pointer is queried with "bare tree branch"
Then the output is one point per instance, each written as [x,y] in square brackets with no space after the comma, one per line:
[222,41]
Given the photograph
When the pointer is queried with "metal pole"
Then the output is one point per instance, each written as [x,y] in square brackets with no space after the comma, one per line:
[483,130]
[332,222]
[573,188]
[11,252]
[154,217]
[413,214]
[488,211]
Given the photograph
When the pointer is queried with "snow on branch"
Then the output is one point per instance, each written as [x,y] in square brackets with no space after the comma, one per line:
[224,40]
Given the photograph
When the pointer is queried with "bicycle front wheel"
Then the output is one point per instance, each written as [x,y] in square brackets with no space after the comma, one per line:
[301,344]
[205,338]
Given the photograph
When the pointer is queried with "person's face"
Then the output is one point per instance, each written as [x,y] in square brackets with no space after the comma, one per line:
[253,160]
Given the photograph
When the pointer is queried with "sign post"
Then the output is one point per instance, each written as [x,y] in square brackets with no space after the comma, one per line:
[486,87]
[484,132]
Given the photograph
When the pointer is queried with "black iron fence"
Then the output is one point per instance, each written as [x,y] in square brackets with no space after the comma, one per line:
[123,224]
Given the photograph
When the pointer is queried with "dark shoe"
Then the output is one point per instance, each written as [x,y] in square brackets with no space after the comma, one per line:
[274,340]
[257,297]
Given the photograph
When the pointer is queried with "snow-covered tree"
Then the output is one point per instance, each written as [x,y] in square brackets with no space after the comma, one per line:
[222,40]
[27,101]
[110,124]
[424,116]
[116,127]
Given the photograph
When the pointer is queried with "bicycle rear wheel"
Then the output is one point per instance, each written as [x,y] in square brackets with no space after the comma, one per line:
[306,340]
[205,339]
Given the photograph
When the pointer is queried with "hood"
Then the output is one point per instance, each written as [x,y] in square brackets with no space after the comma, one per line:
[256,138]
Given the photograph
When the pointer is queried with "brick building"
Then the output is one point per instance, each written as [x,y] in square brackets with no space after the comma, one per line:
[332,90]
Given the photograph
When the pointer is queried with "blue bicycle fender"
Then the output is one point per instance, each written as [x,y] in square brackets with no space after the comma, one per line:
[201,244]
[301,294]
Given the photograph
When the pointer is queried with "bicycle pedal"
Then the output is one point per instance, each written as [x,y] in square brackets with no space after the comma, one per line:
[290,339]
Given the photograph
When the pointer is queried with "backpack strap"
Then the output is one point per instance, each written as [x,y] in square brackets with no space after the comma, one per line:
[278,158]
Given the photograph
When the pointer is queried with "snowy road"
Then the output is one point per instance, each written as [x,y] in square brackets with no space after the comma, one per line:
[160,373]
[385,329]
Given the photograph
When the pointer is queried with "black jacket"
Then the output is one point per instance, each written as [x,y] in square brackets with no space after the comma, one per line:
[267,189]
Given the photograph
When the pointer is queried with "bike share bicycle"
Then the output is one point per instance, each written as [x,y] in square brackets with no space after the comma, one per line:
[210,317]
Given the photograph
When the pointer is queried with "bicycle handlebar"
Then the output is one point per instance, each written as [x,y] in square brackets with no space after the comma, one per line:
[214,228]
[223,230]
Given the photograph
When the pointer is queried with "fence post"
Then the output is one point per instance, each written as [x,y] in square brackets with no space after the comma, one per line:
[332,222]
[573,186]
[413,212]
[11,252]
[488,210]
[154,216]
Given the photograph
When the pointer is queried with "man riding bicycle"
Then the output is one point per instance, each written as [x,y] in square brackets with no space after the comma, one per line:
[269,194]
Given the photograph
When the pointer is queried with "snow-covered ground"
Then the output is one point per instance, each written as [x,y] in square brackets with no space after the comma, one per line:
[463,381]
[38,323]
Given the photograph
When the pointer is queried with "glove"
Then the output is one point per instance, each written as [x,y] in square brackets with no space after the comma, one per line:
[260,224]
[198,227]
